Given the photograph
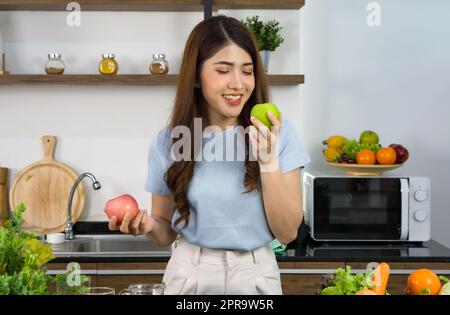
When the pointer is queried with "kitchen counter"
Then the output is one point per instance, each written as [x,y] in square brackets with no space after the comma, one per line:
[116,260]
[309,250]
[138,249]
[120,260]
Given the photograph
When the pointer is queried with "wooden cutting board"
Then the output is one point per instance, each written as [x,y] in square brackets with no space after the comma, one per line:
[44,188]
[3,195]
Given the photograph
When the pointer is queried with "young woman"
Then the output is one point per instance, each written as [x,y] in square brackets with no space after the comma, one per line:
[225,211]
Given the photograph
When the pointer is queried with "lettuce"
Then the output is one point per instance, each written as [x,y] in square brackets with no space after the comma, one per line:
[22,260]
[343,282]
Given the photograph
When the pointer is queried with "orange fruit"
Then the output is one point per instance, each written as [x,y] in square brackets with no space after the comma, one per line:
[366,156]
[386,156]
[423,281]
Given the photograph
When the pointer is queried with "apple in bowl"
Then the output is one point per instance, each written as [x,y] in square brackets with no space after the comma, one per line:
[401,151]
[120,206]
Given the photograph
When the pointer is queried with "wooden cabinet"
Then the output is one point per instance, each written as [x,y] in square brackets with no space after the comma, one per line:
[304,278]
[297,278]
[120,275]
[89,269]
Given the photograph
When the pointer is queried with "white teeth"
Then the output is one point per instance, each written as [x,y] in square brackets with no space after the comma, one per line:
[232,97]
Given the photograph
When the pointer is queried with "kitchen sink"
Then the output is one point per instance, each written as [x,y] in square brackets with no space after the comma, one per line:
[111,246]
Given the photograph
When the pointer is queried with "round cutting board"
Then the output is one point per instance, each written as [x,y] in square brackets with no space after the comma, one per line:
[44,188]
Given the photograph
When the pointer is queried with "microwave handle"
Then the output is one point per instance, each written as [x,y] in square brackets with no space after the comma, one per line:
[404,189]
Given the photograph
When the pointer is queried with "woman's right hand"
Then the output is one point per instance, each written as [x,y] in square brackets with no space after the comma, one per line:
[142,224]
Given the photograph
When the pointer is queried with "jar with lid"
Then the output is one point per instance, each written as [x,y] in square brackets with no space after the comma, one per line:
[54,64]
[159,64]
[108,64]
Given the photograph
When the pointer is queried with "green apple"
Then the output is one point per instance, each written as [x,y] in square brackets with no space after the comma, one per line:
[368,137]
[260,111]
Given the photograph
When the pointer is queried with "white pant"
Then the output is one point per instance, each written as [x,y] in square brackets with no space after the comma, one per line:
[196,270]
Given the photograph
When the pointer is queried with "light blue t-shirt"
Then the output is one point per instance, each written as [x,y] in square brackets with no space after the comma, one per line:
[222,215]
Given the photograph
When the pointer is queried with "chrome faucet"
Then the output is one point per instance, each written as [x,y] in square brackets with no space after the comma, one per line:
[69,225]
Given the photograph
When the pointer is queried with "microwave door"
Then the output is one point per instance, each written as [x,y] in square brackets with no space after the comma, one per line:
[359,209]
[404,189]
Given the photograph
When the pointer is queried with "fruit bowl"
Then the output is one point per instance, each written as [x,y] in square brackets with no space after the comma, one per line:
[360,169]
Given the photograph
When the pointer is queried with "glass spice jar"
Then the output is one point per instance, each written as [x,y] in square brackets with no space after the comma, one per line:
[108,64]
[159,64]
[54,64]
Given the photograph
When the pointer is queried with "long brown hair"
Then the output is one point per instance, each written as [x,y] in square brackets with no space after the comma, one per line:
[206,39]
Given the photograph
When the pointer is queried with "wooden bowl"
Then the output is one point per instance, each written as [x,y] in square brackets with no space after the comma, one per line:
[363,170]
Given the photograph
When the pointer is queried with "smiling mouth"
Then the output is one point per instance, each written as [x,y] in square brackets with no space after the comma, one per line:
[233,99]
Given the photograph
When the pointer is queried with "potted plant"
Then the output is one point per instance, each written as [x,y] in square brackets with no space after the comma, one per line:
[267,35]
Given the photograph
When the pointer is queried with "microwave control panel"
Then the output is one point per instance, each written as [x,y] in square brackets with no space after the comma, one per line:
[420,208]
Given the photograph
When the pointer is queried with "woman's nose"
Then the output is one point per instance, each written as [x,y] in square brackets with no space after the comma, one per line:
[236,82]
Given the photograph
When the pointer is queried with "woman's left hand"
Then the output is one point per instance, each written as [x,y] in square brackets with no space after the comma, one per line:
[264,143]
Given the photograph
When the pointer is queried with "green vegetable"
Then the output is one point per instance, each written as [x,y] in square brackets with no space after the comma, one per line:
[343,282]
[445,289]
[22,260]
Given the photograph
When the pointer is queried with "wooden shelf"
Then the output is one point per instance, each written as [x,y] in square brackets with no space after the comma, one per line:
[121,79]
[286,79]
[146,5]
[136,5]
[258,4]
[89,79]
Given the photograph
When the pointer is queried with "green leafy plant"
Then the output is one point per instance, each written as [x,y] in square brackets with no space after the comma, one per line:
[343,282]
[267,34]
[22,261]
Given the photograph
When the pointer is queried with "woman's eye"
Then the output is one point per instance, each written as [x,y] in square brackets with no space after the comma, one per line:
[222,71]
[248,72]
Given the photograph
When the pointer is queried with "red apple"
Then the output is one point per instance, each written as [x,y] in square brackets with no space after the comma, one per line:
[402,153]
[119,206]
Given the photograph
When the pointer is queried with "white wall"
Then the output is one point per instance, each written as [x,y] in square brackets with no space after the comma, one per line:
[392,79]
[106,130]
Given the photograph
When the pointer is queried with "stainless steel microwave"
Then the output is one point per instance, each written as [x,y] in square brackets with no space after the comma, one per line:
[338,207]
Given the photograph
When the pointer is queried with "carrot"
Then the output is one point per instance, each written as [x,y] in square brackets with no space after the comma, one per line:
[380,278]
[365,292]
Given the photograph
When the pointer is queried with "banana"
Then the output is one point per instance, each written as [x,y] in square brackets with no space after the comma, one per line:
[335,141]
